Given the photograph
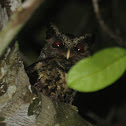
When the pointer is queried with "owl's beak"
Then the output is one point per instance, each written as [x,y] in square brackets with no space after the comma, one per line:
[68,54]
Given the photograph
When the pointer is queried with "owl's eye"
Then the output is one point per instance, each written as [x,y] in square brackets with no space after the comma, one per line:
[80,47]
[57,44]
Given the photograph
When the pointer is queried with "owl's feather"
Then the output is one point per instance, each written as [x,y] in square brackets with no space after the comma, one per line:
[59,54]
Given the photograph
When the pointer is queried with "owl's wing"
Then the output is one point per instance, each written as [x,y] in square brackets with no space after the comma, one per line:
[32,73]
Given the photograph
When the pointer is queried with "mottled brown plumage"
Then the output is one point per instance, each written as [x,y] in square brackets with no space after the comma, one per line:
[60,52]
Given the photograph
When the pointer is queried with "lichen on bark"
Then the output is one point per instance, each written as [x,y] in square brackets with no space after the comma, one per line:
[15,101]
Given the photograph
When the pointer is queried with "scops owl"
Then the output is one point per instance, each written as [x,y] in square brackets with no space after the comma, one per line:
[59,54]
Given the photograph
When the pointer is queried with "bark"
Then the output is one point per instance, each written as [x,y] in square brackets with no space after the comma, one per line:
[7,7]
[15,94]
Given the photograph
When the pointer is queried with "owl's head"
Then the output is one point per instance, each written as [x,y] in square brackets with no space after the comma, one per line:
[66,46]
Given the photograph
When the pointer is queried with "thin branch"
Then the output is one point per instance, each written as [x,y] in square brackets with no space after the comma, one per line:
[118,40]
[17,21]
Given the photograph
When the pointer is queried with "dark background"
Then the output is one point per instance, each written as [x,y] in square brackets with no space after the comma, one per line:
[106,107]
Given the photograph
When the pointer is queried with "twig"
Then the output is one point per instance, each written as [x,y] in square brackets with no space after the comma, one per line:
[16,22]
[118,40]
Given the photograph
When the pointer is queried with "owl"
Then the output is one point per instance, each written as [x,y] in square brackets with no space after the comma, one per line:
[60,53]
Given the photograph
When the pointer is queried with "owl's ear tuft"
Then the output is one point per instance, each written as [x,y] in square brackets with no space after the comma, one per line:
[89,38]
[52,30]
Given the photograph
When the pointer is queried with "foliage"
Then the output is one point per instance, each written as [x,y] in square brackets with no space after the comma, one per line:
[99,71]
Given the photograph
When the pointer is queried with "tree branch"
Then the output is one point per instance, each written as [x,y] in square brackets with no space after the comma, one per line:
[118,40]
[17,21]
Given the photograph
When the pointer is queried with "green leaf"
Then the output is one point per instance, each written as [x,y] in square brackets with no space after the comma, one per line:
[99,71]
